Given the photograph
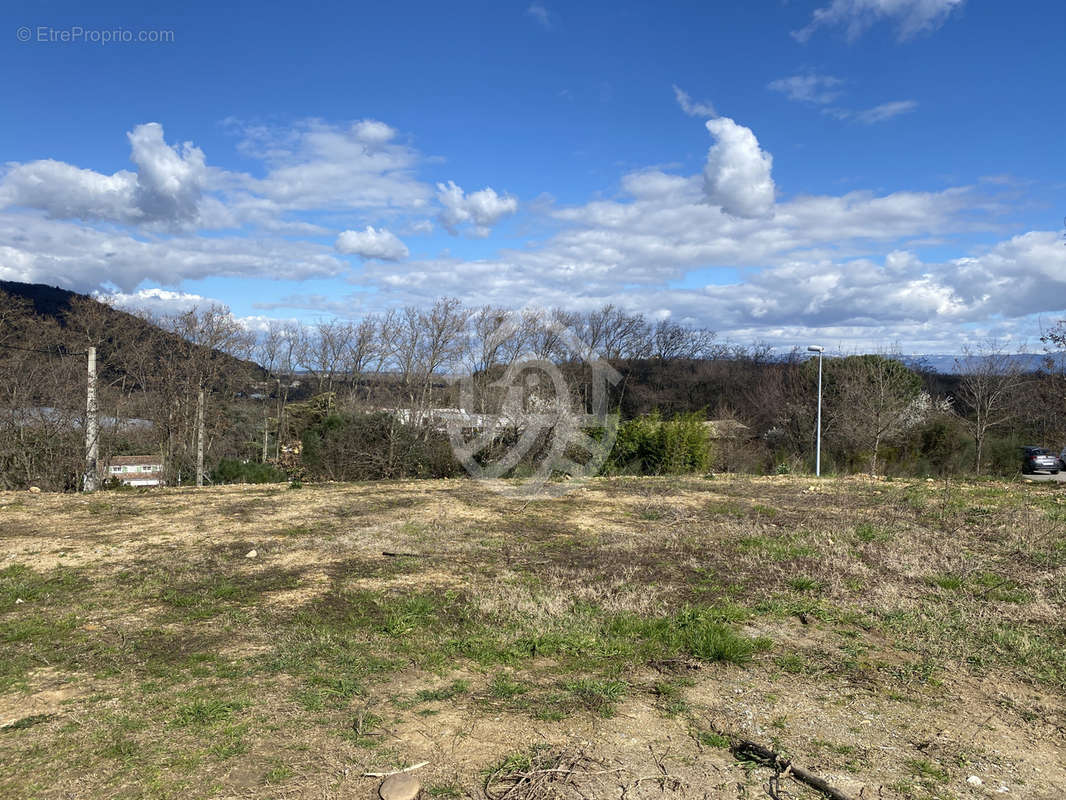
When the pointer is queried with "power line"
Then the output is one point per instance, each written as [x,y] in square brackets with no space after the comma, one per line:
[56,352]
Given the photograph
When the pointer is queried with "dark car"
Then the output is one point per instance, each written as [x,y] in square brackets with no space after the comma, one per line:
[1036,459]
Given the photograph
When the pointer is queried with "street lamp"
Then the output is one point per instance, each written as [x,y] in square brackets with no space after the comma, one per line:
[814,348]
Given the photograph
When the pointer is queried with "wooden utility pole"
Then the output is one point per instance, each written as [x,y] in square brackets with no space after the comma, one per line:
[91,428]
[200,438]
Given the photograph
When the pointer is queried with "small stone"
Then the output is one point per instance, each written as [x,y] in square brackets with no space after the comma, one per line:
[400,787]
[35,490]
[19,600]
[973,780]
[251,554]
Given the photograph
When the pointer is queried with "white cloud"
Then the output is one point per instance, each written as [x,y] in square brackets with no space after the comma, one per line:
[809,88]
[541,14]
[372,243]
[157,302]
[373,132]
[847,267]
[316,165]
[481,209]
[693,109]
[67,192]
[166,188]
[856,16]
[40,250]
[849,302]
[885,111]
[737,174]
[169,182]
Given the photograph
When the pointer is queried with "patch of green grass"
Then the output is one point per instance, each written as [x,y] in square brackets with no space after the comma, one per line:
[449,692]
[982,586]
[120,748]
[19,582]
[726,508]
[601,696]
[994,587]
[794,663]
[504,687]
[669,697]
[927,772]
[713,739]
[206,712]
[278,774]
[28,722]
[229,742]
[868,532]
[804,583]
[947,582]
[444,790]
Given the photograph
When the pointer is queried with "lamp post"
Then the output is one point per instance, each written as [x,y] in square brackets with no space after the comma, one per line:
[814,348]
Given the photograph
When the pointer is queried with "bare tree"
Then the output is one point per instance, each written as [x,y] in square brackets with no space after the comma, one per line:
[988,392]
[670,340]
[872,399]
[195,362]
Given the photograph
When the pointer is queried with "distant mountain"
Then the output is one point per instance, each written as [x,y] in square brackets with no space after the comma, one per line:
[48,301]
[54,302]
[950,364]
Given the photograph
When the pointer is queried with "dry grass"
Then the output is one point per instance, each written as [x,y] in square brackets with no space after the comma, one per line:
[893,636]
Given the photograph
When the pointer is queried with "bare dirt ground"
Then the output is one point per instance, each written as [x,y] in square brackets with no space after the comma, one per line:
[900,639]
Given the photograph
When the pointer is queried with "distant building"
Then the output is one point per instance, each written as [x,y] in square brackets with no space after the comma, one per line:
[136,470]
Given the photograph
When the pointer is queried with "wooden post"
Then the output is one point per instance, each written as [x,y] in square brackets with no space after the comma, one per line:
[200,438]
[266,435]
[91,428]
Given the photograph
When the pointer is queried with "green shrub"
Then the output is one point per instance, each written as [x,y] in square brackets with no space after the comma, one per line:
[230,470]
[650,445]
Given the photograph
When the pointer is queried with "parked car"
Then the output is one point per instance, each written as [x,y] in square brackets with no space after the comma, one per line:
[1062,459]
[1036,459]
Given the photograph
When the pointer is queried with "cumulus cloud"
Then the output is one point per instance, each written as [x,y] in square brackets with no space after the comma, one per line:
[39,250]
[372,243]
[373,132]
[693,109]
[317,165]
[166,188]
[809,88]
[847,266]
[856,16]
[67,192]
[481,209]
[857,301]
[157,302]
[737,174]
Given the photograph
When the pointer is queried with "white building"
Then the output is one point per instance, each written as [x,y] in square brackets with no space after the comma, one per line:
[136,470]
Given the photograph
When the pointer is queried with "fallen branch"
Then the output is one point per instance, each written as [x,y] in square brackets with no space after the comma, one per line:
[405,555]
[751,751]
[411,768]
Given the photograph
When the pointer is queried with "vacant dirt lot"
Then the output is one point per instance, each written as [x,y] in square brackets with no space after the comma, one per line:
[899,639]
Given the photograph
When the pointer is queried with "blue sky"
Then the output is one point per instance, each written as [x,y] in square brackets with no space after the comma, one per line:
[863,172]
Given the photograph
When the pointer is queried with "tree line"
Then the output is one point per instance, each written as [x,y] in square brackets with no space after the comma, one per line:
[359,397]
